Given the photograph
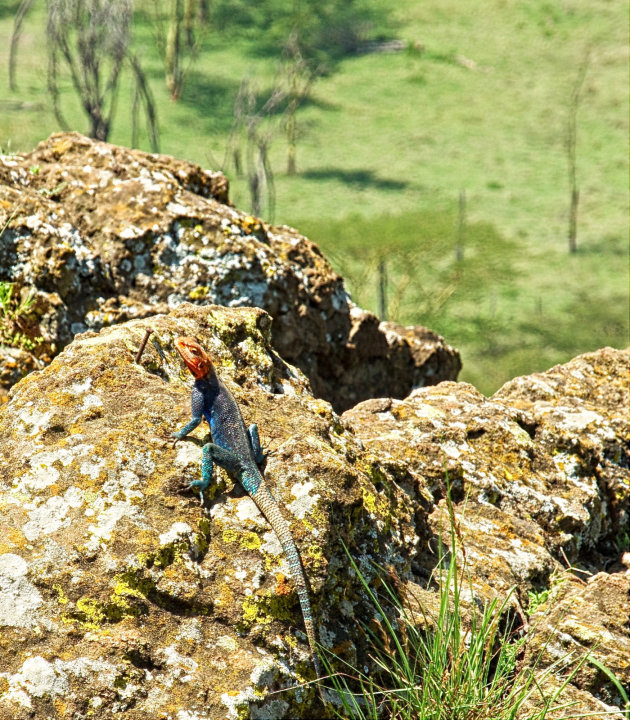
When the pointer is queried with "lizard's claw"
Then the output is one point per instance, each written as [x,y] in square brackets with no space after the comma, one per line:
[198,485]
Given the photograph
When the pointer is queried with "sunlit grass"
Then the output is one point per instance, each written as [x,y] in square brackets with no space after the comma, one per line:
[388,141]
[456,662]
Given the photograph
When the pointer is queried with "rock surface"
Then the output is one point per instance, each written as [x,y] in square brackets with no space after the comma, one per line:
[121,594]
[105,234]
[541,483]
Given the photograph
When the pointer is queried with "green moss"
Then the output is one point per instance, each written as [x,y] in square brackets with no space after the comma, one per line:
[201,539]
[92,614]
[128,584]
[120,682]
[166,555]
[369,501]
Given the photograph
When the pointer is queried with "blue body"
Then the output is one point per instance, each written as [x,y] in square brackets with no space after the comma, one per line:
[234,447]
[237,449]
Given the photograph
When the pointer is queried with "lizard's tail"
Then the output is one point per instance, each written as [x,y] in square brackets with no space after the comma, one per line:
[269,508]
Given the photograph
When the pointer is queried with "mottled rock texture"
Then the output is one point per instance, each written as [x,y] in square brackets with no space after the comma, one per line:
[541,482]
[105,234]
[122,596]
[120,593]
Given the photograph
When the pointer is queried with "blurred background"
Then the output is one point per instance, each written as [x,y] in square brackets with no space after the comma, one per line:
[463,165]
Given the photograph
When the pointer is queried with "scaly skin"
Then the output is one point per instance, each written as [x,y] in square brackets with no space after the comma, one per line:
[237,450]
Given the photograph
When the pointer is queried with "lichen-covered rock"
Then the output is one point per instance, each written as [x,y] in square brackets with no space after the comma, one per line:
[558,463]
[540,481]
[120,593]
[592,615]
[106,234]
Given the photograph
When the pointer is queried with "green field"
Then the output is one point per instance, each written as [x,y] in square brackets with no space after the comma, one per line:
[390,140]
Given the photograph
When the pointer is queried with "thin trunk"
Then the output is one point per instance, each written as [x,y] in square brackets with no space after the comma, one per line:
[23,8]
[461,226]
[291,128]
[571,146]
[189,22]
[382,289]
[173,50]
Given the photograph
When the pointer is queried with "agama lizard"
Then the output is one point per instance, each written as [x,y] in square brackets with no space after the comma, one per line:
[238,450]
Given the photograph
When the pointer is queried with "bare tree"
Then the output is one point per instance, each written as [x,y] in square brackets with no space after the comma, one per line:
[23,8]
[172,56]
[571,148]
[92,37]
[143,98]
[174,25]
[204,11]
[299,76]
[253,133]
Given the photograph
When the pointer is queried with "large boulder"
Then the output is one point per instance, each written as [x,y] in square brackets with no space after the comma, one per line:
[540,481]
[102,234]
[122,594]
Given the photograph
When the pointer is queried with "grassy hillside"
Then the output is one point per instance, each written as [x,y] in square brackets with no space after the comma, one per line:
[389,141]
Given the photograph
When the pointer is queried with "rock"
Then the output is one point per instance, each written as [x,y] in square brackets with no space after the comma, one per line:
[389,360]
[120,593]
[592,615]
[540,482]
[558,463]
[106,234]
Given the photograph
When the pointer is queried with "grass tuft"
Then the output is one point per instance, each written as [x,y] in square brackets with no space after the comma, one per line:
[439,666]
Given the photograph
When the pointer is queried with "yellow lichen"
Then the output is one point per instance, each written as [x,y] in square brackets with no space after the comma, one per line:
[230,535]
[315,555]
[247,540]
[199,293]
[61,707]
[225,598]
[254,612]
[88,613]
[62,598]
[251,225]
[369,501]
[129,585]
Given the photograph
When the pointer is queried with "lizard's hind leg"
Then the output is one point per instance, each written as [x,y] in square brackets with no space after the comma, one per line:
[212,453]
[254,439]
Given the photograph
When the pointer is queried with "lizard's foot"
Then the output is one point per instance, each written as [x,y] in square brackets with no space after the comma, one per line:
[200,486]
[174,436]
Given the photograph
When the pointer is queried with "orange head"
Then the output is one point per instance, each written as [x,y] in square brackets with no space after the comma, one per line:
[195,357]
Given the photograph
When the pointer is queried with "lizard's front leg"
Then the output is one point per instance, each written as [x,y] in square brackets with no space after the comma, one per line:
[188,428]
[196,401]
[207,466]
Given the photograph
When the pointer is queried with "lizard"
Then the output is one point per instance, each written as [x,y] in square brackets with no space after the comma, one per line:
[237,449]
